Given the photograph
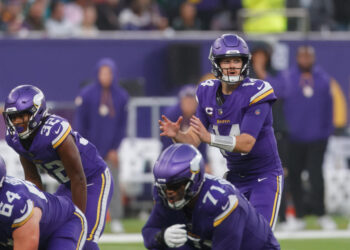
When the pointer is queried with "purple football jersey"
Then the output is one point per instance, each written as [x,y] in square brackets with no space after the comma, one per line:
[17,201]
[226,119]
[221,219]
[42,152]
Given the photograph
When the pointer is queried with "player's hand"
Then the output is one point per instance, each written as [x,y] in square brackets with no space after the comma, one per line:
[199,129]
[175,235]
[168,127]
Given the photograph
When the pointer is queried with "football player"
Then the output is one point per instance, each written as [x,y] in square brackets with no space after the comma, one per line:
[234,115]
[46,141]
[31,219]
[194,210]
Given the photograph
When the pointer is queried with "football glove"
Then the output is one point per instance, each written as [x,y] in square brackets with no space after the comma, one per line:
[175,235]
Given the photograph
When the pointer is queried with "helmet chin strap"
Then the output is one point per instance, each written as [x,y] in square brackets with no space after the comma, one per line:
[25,134]
[232,80]
[177,205]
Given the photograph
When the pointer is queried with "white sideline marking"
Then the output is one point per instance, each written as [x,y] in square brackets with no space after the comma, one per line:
[309,234]
[121,238]
[313,234]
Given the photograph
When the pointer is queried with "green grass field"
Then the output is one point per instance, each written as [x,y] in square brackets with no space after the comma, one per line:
[135,225]
[315,244]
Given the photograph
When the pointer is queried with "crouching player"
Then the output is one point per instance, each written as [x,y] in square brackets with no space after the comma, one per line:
[194,210]
[32,219]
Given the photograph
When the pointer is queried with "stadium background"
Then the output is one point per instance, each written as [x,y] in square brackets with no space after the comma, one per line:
[152,66]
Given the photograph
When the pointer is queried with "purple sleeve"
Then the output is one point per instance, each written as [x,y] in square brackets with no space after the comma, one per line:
[329,112]
[254,118]
[121,128]
[200,113]
[228,235]
[81,117]
[153,228]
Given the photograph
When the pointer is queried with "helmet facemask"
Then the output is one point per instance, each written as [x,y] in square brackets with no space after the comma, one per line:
[229,45]
[176,187]
[35,107]
[191,183]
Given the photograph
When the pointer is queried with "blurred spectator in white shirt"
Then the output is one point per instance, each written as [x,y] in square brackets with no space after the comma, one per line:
[57,25]
[88,27]
[142,15]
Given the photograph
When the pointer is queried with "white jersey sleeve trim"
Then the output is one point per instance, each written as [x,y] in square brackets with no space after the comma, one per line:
[24,218]
[66,128]
[266,89]
[233,203]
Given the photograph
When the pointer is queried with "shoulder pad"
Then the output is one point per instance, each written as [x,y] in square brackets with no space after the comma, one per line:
[261,90]
[16,207]
[25,213]
[226,210]
[207,89]
[56,129]
[223,201]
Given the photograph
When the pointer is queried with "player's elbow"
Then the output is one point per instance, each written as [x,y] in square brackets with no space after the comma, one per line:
[245,143]
[245,149]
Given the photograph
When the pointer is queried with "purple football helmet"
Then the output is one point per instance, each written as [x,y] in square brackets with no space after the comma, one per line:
[2,171]
[179,164]
[229,45]
[25,99]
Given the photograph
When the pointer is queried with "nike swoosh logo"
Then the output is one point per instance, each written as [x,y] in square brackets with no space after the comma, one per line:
[260,87]
[226,205]
[261,179]
[24,209]
[89,184]
[58,130]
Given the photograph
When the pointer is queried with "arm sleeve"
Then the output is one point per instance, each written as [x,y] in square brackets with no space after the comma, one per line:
[254,118]
[24,211]
[59,133]
[329,112]
[200,113]
[81,121]
[228,234]
[122,121]
[153,229]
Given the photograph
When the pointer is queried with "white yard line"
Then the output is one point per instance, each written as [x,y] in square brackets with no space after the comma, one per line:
[309,234]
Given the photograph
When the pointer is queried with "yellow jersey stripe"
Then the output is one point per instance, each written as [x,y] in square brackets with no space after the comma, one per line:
[275,202]
[219,221]
[261,97]
[98,208]
[82,229]
[24,221]
[62,138]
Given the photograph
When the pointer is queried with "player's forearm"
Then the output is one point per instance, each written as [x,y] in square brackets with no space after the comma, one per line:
[240,144]
[244,143]
[79,193]
[26,237]
[31,243]
[188,137]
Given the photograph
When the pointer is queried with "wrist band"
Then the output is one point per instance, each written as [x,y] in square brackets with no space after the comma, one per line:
[227,143]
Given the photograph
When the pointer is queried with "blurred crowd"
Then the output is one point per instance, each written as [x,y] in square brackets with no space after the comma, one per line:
[85,18]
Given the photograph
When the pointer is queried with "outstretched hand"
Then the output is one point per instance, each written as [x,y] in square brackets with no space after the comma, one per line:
[199,129]
[168,127]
